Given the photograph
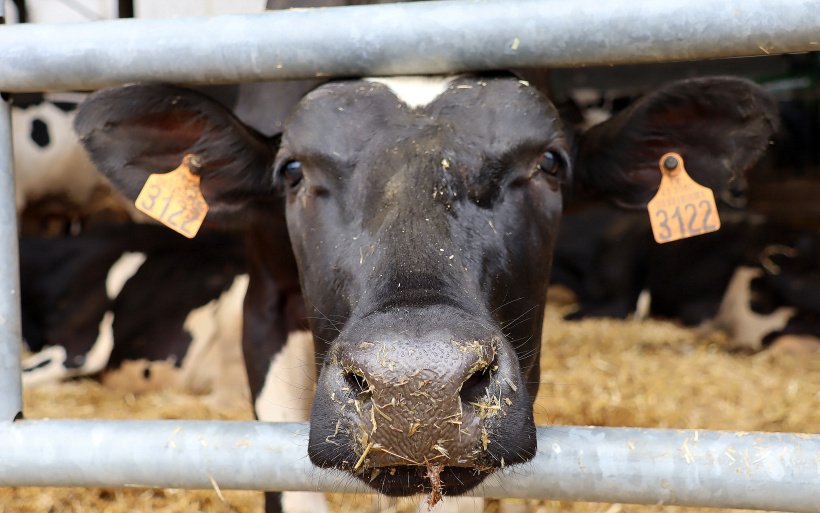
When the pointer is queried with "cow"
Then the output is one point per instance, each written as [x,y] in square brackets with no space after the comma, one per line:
[143,306]
[751,279]
[58,190]
[409,223]
[48,160]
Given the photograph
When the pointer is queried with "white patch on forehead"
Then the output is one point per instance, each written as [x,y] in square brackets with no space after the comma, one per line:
[122,270]
[416,91]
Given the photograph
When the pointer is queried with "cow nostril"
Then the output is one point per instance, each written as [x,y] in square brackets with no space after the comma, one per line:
[475,386]
[357,383]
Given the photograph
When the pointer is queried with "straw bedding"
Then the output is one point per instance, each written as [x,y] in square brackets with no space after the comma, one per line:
[594,372]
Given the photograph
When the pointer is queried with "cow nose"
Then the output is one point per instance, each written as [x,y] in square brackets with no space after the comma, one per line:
[420,400]
[466,373]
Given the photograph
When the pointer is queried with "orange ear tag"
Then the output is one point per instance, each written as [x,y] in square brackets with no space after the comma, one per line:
[681,208]
[174,198]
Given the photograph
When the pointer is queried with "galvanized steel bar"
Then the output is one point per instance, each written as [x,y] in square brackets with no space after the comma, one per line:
[11,394]
[411,38]
[164,454]
[721,469]
[770,471]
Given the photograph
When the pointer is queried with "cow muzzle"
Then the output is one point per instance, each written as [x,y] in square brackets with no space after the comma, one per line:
[411,401]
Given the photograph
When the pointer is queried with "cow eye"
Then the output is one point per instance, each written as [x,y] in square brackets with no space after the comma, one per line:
[293,172]
[550,163]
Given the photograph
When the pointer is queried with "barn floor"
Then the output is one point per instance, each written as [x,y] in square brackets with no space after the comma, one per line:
[594,372]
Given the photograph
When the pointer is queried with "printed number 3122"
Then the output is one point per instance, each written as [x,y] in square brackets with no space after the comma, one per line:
[674,226]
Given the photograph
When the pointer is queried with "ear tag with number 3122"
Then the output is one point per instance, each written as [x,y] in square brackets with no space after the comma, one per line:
[681,208]
[174,198]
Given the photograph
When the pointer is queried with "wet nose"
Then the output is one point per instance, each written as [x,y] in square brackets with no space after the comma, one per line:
[420,400]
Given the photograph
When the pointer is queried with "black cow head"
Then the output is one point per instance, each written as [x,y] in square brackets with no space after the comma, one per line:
[423,233]
[422,214]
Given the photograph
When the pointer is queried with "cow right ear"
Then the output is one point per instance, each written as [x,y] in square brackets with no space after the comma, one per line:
[135,130]
[719,125]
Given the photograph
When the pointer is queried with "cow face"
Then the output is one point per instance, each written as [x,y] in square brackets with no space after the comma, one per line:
[423,229]
[423,226]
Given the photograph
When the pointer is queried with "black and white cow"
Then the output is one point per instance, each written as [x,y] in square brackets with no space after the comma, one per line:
[754,278]
[58,189]
[140,304]
[47,158]
[409,223]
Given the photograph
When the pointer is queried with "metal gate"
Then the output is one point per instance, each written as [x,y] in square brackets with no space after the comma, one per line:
[683,467]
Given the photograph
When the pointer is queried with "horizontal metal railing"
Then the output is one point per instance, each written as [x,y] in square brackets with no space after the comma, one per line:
[410,38]
[772,471]
[698,468]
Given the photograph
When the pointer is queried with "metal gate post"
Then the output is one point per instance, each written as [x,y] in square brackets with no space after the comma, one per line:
[11,390]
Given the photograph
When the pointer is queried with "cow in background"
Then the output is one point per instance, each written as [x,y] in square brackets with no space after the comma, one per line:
[58,190]
[143,306]
[47,158]
[609,261]
[754,278]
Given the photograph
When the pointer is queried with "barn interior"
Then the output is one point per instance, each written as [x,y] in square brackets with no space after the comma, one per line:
[640,371]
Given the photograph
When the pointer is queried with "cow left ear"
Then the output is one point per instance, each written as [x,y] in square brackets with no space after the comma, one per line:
[136,130]
[719,125]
